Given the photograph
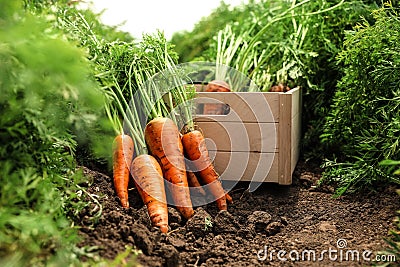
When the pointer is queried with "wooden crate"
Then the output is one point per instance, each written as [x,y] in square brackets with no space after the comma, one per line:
[258,139]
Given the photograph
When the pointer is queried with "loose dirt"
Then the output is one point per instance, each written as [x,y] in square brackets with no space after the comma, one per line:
[296,225]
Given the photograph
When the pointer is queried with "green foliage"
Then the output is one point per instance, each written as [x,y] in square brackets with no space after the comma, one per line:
[363,126]
[47,99]
[393,164]
[113,55]
[125,258]
[208,224]
[122,57]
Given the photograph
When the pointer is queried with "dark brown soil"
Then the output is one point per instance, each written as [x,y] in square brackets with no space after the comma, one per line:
[287,222]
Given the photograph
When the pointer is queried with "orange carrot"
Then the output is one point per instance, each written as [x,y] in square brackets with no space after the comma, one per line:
[149,182]
[194,183]
[164,142]
[228,198]
[122,158]
[279,88]
[216,86]
[196,150]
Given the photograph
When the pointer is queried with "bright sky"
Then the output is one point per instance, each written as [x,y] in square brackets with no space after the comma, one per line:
[146,16]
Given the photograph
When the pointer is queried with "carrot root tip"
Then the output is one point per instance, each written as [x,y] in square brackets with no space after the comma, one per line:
[164,228]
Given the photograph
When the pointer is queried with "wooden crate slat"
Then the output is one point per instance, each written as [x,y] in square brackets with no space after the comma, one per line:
[246,166]
[242,137]
[285,138]
[295,140]
[244,106]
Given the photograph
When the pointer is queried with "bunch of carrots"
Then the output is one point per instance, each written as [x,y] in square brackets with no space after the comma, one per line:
[151,149]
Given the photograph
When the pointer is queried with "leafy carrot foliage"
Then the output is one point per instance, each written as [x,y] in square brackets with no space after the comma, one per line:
[363,126]
[47,99]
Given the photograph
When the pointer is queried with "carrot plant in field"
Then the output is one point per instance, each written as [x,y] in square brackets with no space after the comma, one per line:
[47,100]
[363,126]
